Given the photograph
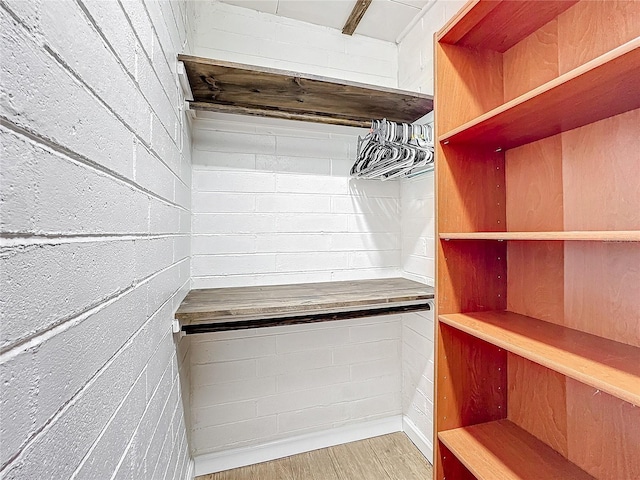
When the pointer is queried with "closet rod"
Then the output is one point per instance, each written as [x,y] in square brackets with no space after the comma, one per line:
[296,320]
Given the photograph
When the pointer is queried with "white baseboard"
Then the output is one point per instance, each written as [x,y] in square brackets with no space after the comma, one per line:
[240,457]
[190,473]
[418,438]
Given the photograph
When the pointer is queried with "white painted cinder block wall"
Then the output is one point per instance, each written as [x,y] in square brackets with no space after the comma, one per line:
[416,72]
[236,34]
[273,204]
[94,246]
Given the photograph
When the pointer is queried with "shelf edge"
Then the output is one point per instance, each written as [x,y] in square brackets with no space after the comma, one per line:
[618,52]
[518,440]
[585,235]
[529,354]
[223,326]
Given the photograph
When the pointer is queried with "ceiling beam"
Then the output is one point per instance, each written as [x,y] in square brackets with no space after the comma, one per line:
[357,13]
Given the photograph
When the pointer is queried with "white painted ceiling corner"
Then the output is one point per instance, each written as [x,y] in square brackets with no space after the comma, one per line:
[388,20]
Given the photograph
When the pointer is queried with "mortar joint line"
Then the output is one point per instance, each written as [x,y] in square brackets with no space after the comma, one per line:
[111,419]
[109,45]
[53,147]
[58,59]
[78,394]
[63,324]
[108,107]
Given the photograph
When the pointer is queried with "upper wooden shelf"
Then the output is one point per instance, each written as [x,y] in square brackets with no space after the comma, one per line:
[589,236]
[606,86]
[604,364]
[219,309]
[492,25]
[501,449]
[250,90]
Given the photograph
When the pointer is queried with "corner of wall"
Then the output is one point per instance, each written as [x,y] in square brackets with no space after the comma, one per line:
[95,224]
[237,34]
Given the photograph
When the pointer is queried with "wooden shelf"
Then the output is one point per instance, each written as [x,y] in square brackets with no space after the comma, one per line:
[250,90]
[482,24]
[539,137]
[220,309]
[610,366]
[589,236]
[601,88]
[500,449]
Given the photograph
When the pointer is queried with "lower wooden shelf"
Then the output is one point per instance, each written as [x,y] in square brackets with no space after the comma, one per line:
[237,308]
[502,450]
[610,366]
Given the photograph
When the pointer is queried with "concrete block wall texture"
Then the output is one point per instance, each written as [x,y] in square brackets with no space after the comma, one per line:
[273,204]
[418,263]
[416,73]
[94,244]
[417,213]
[236,34]
[417,375]
[263,385]
[416,49]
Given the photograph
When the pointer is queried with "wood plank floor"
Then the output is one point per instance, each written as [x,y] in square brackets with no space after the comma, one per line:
[389,457]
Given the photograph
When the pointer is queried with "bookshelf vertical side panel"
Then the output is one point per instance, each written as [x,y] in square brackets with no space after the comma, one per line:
[471,276]
[470,189]
[468,84]
[448,466]
[471,381]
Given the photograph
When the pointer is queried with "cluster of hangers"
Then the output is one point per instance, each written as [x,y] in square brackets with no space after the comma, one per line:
[392,150]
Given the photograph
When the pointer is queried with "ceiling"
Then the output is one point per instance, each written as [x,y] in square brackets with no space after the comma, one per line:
[384,19]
